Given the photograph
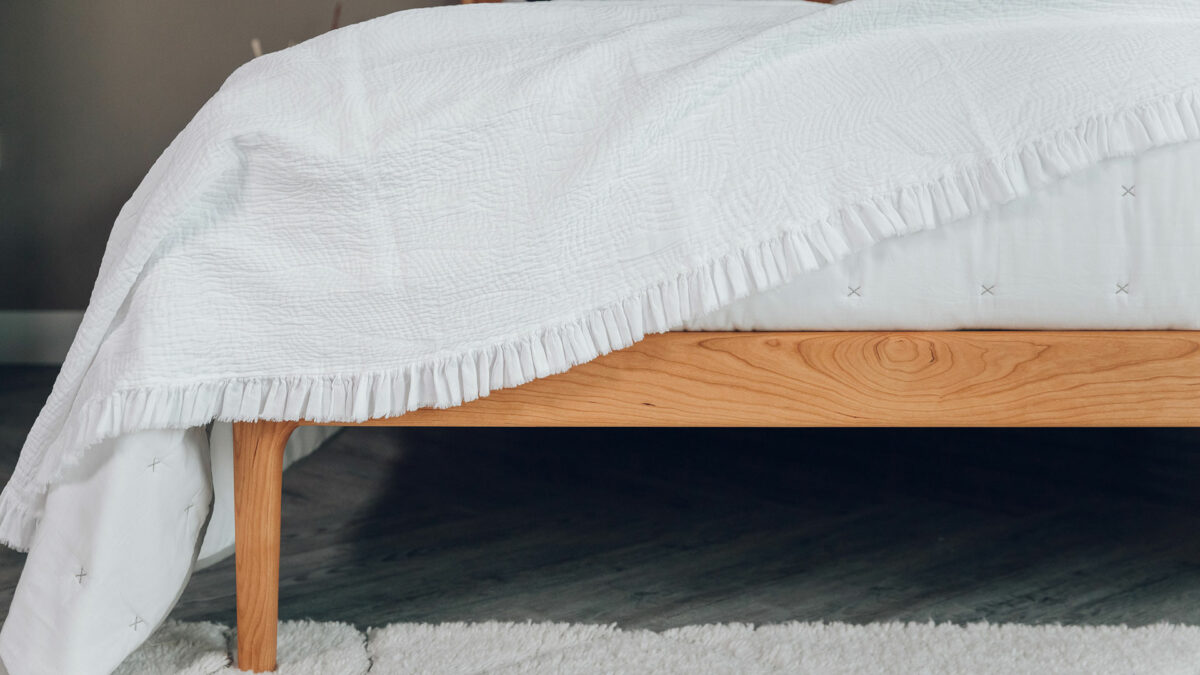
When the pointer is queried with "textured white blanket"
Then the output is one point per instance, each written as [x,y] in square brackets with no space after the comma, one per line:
[417,210]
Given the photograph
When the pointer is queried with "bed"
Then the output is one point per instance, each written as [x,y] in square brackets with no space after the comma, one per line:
[850,346]
[951,245]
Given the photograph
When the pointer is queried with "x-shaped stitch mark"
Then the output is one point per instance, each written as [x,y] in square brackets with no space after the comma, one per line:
[1122,288]
[137,622]
[855,292]
[1128,191]
[987,290]
[79,577]
[153,466]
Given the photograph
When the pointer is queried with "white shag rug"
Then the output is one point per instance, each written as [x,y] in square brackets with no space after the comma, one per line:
[310,648]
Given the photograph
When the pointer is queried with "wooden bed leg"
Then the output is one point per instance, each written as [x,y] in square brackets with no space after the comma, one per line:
[257,496]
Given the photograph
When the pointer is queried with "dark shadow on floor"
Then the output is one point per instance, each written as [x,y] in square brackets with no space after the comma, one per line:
[658,528]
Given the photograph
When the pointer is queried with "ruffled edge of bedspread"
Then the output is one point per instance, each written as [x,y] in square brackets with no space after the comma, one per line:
[451,381]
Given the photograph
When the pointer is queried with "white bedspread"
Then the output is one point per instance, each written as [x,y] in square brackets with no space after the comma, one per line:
[417,210]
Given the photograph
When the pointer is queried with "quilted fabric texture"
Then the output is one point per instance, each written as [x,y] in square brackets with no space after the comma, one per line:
[419,209]
[1111,247]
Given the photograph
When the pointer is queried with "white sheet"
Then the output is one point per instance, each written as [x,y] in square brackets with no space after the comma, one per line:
[1114,247]
[420,209]
[124,530]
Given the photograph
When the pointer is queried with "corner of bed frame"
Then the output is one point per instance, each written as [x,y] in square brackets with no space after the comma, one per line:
[967,378]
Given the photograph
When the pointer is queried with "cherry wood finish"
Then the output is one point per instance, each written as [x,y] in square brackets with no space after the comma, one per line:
[257,495]
[848,379]
[860,379]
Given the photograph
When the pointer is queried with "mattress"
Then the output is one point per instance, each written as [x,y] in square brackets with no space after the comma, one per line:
[1114,247]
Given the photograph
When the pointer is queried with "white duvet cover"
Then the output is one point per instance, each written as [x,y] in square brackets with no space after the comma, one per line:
[1113,247]
[419,209]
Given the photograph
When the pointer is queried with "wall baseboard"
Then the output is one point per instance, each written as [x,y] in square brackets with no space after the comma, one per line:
[37,337]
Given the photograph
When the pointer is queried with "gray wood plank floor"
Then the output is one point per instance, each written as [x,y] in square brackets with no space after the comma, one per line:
[660,528]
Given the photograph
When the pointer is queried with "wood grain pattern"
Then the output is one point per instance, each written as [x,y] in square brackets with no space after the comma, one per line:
[859,379]
[986,378]
[257,493]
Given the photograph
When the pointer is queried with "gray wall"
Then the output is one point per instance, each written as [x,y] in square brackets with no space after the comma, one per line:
[91,91]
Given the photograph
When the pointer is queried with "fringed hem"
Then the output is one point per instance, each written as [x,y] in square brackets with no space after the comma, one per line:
[453,380]
[18,521]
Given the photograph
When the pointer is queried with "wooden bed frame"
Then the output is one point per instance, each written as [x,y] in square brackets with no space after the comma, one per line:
[851,379]
[766,379]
